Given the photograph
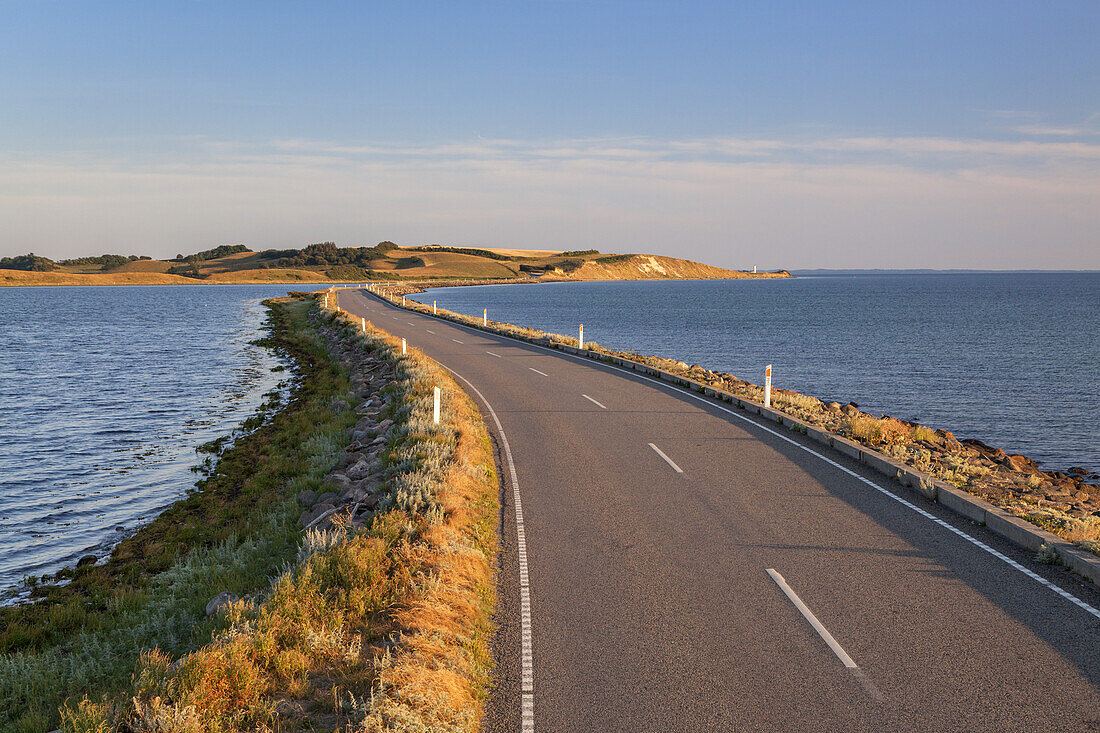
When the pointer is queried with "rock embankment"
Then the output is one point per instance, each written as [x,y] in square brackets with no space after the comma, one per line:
[1064,502]
[356,488]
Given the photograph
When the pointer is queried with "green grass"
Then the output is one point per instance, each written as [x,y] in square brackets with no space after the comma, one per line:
[378,628]
[234,533]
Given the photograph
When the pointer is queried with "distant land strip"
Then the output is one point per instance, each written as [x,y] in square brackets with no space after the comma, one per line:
[327,263]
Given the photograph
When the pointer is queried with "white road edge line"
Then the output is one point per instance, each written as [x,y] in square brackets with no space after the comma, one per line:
[928,515]
[594,402]
[536,371]
[492,354]
[668,460]
[818,626]
[527,688]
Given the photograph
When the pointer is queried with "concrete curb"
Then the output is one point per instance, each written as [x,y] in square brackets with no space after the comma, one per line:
[1018,531]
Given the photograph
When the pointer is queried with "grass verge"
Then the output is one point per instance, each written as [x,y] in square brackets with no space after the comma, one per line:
[232,534]
[377,625]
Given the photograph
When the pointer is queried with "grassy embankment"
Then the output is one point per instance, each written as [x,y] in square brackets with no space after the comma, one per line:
[1067,504]
[366,624]
[232,534]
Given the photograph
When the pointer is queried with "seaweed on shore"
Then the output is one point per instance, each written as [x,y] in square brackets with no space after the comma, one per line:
[232,533]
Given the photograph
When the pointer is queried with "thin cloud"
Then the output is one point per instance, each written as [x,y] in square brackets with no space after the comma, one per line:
[734,201]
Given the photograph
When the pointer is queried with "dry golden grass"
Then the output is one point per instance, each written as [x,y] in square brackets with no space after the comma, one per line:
[523,252]
[378,629]
[21,277]
[876,431]
[142,266]
[272,275]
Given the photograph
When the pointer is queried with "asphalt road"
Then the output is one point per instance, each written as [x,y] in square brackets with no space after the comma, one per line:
[691,569]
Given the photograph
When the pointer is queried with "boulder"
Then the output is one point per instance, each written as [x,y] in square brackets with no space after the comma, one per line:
[360,470]
[1019,463]
[833,407]
[979,446]
[86,560]
[339,482]
[307,498]
[329,497]
[309,515]
[850,409]
[220,600]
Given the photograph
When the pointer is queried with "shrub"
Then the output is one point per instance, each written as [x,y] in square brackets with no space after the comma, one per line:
[29,262]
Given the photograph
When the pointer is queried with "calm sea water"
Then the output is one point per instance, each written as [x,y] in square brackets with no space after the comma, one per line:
[1010,359]
[104,395]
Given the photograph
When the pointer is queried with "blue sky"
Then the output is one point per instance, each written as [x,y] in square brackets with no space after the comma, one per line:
[778,134]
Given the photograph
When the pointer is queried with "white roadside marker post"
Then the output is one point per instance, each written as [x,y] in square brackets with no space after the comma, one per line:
[768,386]
[485,317]
[436,418]
[363,324]
[402,347]
[402,301]
[580,339]
[434,311]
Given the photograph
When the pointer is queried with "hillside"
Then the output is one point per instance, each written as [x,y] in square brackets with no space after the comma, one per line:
[322,263]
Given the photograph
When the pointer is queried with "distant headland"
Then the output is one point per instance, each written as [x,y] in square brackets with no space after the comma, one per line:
[325,262]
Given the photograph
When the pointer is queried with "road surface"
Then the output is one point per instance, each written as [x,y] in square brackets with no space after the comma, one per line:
[679,566]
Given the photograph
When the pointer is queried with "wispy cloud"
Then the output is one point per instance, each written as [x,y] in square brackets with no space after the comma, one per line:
[976,152]
[1032,125]
[735,201]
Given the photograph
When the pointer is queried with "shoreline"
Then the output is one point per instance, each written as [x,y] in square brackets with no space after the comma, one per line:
[341,494]
[1065,503]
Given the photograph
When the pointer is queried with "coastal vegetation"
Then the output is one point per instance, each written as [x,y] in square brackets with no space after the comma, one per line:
[29,262]
[104,262]
[382,623]
[1066,503]
[327,262]
[233,532]
[377,616]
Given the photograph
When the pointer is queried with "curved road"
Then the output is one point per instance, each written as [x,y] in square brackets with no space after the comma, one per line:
[690,569]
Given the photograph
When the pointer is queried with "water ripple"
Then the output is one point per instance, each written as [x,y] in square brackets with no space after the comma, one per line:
[104,395]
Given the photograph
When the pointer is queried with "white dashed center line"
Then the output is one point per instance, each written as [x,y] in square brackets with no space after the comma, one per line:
[668,460]
[594,402]
[833,644]
[536,371]
[457,341]
[430,331]
[492,354]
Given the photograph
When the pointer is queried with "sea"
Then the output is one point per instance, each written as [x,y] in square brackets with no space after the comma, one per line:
[1012,359]
[106,393]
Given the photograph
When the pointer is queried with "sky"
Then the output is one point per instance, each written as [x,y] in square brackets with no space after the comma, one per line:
[783,135]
